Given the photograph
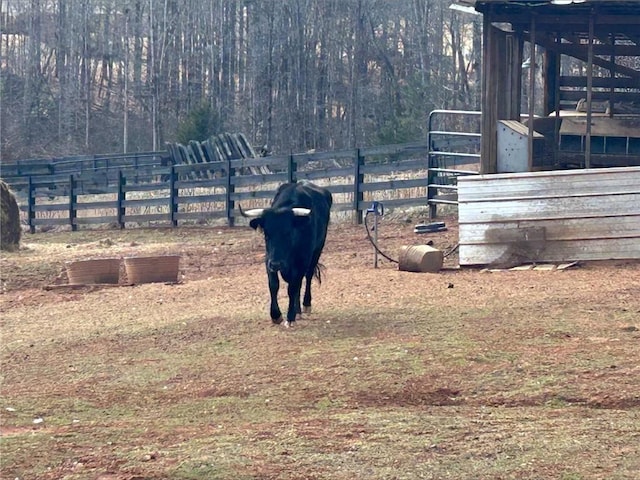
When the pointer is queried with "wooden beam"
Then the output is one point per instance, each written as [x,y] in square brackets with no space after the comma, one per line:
[599,49]
[582,54]
[617,49]
[575,95]
[571,20]
[600,82]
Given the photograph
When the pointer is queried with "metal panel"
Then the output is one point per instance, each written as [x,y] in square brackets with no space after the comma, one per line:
[550,216]
[513,146]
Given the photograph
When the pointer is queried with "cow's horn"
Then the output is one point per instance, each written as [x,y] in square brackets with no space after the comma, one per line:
[251,213]
[301,212]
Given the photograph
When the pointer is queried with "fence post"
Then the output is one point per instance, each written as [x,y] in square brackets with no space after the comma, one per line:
[431,175]
[292,168]
[122,196]
[431,191]
[31,213]
[73,199]
[357,191]
[173,197]
[230,191]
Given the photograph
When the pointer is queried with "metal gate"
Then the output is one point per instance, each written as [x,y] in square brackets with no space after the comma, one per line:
[453,137]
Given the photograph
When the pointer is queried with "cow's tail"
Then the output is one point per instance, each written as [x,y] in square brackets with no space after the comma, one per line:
[318,271]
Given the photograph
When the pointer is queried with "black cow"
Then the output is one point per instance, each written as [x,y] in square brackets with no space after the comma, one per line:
[295,229]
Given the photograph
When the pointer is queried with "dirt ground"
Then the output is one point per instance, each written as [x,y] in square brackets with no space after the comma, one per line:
[518,315]
[210,251]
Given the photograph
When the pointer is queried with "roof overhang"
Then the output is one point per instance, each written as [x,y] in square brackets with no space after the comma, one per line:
[621,6]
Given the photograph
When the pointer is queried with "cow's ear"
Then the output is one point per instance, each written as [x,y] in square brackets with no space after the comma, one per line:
[256,223]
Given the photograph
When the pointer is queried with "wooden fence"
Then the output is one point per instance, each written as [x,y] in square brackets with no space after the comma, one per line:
[15,173]
[153,194]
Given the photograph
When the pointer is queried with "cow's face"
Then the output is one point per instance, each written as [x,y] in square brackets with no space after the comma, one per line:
[282,230]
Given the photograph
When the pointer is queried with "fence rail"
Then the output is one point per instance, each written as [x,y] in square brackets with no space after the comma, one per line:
[83,163]
[151,192]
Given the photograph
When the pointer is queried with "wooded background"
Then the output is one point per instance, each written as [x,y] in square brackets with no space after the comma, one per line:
[97,76]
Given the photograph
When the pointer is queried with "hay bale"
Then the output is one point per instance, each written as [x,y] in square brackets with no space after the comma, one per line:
[10,229]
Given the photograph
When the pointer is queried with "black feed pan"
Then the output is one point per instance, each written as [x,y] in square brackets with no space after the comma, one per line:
[430,227]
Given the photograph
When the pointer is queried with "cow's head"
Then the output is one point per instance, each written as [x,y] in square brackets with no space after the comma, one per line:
[282,228]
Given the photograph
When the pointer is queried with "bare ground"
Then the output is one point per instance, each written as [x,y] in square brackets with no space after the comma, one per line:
[463,374]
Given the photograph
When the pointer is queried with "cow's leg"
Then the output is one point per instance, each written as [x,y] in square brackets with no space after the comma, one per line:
[274,286]
[294,299]
[306,302]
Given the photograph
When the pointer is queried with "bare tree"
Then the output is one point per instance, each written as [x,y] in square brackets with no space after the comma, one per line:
[109,75]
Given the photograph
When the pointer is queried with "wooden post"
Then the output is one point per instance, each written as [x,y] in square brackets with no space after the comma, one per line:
[31,214]
[73,199]
[291,170]
[431,191]
[230,191]
[122,196]
[490,94]
[513,82]
[532,89]
[551,80]
[556,100]
[587,147]
[612,74]
[173,197]
[357,191]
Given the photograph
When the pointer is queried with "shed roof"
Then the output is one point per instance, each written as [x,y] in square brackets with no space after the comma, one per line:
[612,16]
[613,6]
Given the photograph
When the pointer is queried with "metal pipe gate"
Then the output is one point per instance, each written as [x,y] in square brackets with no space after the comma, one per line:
[450,147]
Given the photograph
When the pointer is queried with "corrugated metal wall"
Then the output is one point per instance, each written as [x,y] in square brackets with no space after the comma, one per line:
[515,218]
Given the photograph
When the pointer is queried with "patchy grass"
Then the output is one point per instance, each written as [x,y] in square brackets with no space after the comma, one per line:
[461,375]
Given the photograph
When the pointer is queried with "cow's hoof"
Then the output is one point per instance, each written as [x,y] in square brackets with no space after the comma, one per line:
[278,320]
[289,324]
[306,309]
